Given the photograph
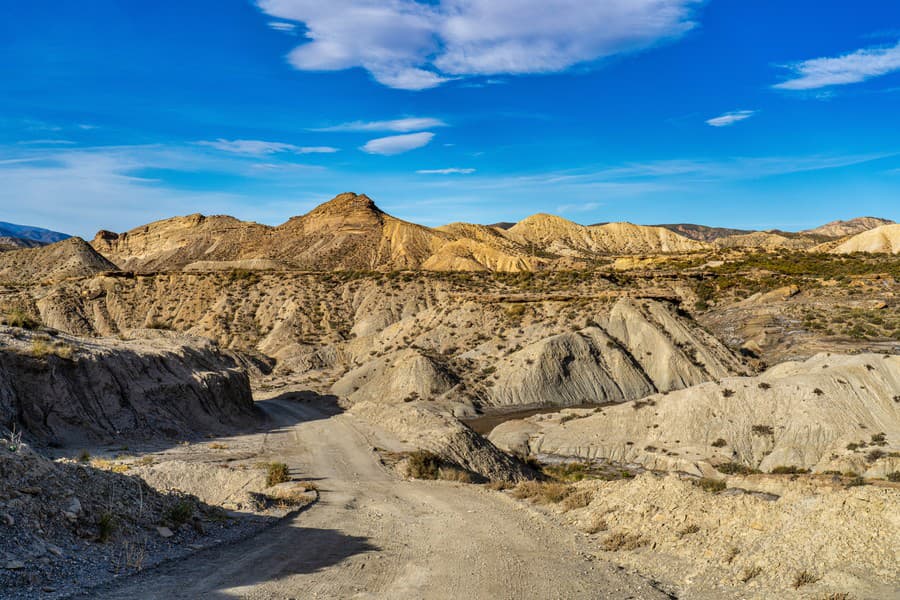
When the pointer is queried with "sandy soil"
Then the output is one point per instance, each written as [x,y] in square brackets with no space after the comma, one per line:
[373,535]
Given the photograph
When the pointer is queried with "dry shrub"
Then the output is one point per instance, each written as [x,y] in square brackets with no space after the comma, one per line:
[750,573]
[454,474]
[423,465]
[542,491]
[578,499]
[276,473]
[595,524]
[498,485]
[804,578]
[623,541]
[690,529]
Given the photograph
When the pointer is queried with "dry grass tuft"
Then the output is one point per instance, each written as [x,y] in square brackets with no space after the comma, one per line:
[578,499]
[544,492]
[623,541]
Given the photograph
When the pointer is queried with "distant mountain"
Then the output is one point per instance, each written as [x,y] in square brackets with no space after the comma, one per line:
[702,233]
[33,234]
[839,229]
[502,225]
[351,232]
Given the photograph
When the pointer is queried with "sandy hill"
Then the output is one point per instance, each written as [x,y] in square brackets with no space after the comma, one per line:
[560,236]
[72,257]
[765,240]
[702,233]
[839,229]
[884,240]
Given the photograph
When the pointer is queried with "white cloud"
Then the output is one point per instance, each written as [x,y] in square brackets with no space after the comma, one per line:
[404,125]
[261,148]
[730,118]
[840,70]
[450,171]
[413,45]
[398,144]
[282,26]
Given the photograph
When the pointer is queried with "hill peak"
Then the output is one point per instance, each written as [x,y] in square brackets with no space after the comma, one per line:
[347,203]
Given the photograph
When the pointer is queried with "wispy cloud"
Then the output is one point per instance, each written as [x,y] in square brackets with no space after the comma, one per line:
[282,26]
[450,171]
[405,125]
[47,142]
[398,144]
[730,118]
[854,67]
[262,148]
[412,45]
[578,208]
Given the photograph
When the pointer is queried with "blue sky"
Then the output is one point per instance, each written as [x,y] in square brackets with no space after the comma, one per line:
[749,114]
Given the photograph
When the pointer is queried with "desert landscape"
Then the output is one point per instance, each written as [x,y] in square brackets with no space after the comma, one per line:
[450,300]
[351,405]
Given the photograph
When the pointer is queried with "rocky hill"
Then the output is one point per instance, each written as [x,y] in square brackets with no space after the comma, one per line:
[703,233]
[839,229]
[881,240]
[72,257]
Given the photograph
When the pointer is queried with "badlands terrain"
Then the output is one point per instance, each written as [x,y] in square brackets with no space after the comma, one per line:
[349,405]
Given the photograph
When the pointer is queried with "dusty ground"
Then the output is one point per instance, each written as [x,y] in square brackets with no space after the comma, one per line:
[372,535]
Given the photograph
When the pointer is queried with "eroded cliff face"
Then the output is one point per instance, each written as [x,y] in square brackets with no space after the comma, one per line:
[69,390]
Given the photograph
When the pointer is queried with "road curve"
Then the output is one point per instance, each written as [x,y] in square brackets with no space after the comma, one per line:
[372,535]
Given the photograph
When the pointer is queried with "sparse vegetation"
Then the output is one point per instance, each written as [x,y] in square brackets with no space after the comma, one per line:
[789,470]
[734,468]
[719,443]
[543,492]
[804,578]
[579,499]
[276,472]
[750,573]
[710,485]
[106,526]
[423,465]
[623,541]
[180,512]
[762,430]
[688,530]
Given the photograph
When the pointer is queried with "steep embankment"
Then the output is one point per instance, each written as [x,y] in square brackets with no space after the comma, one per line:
[68,390]
[830,412]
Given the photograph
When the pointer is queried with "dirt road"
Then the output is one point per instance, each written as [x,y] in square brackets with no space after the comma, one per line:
[372,535]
